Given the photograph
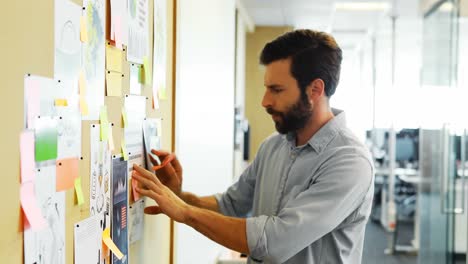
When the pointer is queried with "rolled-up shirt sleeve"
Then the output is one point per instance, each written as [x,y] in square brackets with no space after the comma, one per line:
[237,200]
[339,188]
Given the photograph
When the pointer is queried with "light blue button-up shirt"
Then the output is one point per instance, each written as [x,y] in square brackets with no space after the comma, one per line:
[305,204]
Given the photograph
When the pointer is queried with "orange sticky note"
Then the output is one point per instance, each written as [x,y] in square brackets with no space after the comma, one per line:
[83,30]
[136,195]
[30,207]
[79,191]
[124,150]
[61,102]
[110,244]
[67,172]
[27,156]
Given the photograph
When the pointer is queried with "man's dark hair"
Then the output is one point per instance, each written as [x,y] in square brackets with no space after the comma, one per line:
[313,55]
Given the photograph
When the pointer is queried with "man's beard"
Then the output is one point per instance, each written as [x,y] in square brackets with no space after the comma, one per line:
[294,118]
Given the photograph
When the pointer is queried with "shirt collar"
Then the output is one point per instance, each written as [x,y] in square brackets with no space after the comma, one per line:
[325,134]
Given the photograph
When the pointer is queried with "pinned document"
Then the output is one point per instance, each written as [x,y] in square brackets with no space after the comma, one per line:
[27,156]
[88,240]
[46,138]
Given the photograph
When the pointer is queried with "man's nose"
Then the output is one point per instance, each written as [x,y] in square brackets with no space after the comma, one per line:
[267,101]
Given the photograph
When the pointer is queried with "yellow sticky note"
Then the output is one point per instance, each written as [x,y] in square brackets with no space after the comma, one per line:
[111,140]
[110,244]
[114,58]
[79,191]
[61,102]
[82,84]
[114,83]
[83,30]
[124,150]
[104,123]
[84,106]
[147,74]
[124,117]
[162,93]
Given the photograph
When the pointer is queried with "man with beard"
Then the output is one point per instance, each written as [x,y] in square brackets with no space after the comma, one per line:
[307,195]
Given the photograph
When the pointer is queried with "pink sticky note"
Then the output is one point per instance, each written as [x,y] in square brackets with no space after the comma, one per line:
[118,32]
[67,172]
[30,208]
[27,156]
[32,91]
[136,195]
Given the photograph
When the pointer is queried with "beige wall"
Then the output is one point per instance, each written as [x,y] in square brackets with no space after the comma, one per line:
[261,125]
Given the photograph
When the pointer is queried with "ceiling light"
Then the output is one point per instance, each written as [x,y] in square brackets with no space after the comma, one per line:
[361,6]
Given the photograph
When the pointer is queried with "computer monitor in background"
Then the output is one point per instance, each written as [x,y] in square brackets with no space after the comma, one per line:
[406,146]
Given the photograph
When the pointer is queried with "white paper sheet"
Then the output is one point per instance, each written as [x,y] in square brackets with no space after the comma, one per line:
[69,134]
[138,30]
[135,107]
[40,93]
[47,245]
[136,221]
[67,41]
[100,168]
[94,56]
[152,135]
[88,240]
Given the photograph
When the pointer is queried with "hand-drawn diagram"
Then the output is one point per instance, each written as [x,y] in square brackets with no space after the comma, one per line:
[100,173]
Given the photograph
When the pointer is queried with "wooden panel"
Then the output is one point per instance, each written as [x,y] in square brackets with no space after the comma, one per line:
[27,29]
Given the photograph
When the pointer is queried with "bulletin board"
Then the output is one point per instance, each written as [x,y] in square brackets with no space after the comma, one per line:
[27,29]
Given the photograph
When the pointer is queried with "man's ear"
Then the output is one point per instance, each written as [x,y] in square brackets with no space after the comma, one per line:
[315,90]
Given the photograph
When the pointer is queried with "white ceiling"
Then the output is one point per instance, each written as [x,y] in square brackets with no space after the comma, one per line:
[349,27]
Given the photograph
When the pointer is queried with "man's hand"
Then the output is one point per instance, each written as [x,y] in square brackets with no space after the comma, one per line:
[168,203]
[169,172]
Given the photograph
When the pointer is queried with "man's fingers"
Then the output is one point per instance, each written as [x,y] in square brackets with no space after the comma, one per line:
[143,192]
[153,160]
[153,210]
[149,181]
[142,171]
[165,158]
[160,153]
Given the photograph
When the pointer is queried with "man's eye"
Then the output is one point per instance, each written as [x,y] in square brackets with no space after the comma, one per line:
[276,90]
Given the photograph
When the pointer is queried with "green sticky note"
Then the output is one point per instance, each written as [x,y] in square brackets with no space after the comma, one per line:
[124,150]
[104,123]
[79,191]
[162,93]
[147,73]
[46,138]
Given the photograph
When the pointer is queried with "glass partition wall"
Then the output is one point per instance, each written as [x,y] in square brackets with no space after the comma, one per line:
[441,200]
